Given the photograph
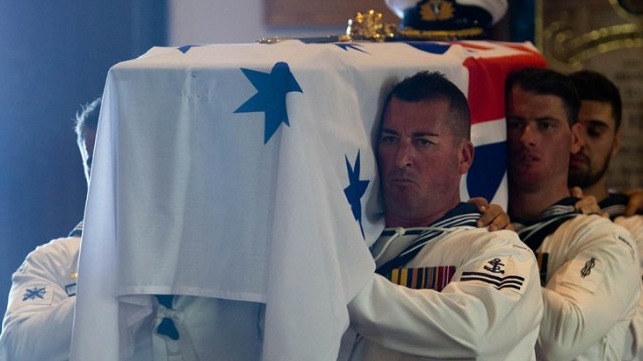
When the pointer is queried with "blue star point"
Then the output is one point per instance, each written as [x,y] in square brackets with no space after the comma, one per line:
[347,46]
[355,190]
[185,48]
[270,98]
[430,47]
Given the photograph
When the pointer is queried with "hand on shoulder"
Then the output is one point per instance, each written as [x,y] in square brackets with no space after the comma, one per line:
[493,216]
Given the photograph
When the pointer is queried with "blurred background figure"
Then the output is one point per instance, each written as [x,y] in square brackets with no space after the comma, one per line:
[600,118]
[50,66]
[38,321]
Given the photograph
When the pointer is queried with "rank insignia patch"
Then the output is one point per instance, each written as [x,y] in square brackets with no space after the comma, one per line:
[510,281]
[587,269]
[495,266]
[586,272]
[36,295]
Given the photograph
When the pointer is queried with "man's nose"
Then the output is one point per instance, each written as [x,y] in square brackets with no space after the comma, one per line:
[404,155]
[581,132]
[528,136]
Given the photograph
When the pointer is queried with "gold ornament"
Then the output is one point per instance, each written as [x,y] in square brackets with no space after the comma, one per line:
[435,10]
[369,26]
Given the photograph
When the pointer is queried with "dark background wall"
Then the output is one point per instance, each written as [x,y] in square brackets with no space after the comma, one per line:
[54,57]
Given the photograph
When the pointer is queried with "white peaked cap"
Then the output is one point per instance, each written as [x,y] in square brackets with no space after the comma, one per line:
[398,6]
[497,8]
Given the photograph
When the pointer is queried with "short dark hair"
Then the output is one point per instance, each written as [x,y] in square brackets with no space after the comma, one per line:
[592,85]
[543,81]
[427,85]
[87,118]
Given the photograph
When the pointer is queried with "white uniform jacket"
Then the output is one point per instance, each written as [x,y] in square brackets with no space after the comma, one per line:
[614,205]
[589,271]
[38,321]
[468,294]
[634,346]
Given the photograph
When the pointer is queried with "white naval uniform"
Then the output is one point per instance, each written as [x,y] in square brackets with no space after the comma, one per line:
[38,321]
[614,205]
[589,270]
[634,347]
[489,306]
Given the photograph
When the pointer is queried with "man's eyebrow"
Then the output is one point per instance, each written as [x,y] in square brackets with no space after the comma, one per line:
[550,118]
[416,134]
[388,130]
[426,134]
[595,123]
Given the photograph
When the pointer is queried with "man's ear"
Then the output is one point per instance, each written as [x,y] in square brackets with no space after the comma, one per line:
[616,143]
[465,156]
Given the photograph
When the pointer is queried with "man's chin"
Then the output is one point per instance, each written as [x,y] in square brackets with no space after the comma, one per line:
[575,174]
[577,167]
[401,202]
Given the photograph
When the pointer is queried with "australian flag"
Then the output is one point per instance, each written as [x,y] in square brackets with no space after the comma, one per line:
[249,170]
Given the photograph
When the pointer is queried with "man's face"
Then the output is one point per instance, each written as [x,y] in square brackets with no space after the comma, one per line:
[539,140]
[420,160]
[86,147]
[599,143]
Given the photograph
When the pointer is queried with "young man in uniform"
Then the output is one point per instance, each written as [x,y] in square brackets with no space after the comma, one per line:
[39,318]
[588,265]
[600,132]
[38,321]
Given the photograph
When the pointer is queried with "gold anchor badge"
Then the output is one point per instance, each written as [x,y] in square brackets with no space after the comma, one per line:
[434,10]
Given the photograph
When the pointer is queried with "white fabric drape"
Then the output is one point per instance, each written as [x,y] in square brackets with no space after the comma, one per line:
[191,196]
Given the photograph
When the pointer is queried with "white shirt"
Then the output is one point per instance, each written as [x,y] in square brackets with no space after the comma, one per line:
[634,345]
[591,287]
[489,306]
[614,205]
[38,321]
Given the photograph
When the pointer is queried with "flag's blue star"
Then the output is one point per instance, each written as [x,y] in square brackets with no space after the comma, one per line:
[36,292]
[271,96]
[185,48]
[347,46]
[355,190]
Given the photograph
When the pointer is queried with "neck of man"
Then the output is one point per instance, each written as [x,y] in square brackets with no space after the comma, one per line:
[598,190]
[530,204]
[410,220]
